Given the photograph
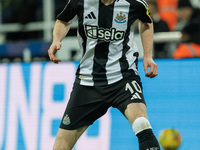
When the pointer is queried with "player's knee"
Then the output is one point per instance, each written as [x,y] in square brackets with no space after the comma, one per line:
[134,111]
[140,124]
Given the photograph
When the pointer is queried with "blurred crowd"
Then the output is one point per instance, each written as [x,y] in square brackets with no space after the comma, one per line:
[189,25]
[167,15]
[176,15]
[25,11]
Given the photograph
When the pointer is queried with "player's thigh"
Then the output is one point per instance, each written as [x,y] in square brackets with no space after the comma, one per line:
[66,139]
[134,111]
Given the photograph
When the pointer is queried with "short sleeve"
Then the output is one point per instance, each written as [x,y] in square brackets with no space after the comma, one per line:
[143,11]
[69,12]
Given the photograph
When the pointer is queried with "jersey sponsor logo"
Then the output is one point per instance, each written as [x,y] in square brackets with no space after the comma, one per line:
[120,18]
[90,16]
[66,120]
[103,34]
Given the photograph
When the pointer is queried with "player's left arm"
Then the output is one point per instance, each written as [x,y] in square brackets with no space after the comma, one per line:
[146,33]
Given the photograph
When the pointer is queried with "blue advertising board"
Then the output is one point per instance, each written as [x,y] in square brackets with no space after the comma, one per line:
[33,97]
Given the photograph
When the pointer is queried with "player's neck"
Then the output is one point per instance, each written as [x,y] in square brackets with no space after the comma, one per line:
[107,2]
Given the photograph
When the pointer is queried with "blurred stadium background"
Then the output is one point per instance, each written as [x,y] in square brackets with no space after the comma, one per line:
[34,92]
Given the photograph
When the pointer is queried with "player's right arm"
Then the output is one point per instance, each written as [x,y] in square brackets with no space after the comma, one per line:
[60,30]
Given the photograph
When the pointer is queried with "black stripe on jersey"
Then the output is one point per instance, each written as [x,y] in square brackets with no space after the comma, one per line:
[123,62]
[136,54]
[102,48]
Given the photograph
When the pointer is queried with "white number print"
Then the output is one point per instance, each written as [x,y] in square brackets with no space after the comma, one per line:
[134,86]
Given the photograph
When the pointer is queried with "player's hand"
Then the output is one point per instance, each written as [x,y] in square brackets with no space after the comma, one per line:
[55,46]
[148,62]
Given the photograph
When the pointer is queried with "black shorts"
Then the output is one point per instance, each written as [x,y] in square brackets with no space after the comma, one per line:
[88,103]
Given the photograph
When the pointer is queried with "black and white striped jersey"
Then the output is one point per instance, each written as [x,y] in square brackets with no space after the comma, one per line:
[106,38]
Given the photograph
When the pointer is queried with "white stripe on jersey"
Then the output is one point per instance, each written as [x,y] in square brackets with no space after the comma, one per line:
[86,63]
[143,2]
[113,67]
[133,48]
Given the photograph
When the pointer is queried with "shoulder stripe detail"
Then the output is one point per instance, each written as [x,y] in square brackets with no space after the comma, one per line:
[143,2]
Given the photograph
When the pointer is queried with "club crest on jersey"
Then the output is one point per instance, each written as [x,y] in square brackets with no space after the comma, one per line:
[66,120]
[120,18]
[107,35]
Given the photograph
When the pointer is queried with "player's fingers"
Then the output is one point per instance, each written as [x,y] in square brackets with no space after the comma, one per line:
[51,56]
[154,70]
[54,48]
[150,73]
[51,52]
[55,60]
[145,70]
